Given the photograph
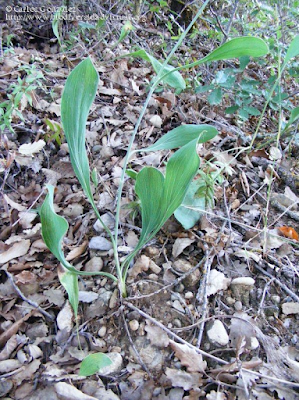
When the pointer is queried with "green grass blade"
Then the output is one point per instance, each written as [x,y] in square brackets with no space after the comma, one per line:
[182,135]
[78,95]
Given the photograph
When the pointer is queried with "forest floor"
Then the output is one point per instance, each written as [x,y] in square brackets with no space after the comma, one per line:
[212,312]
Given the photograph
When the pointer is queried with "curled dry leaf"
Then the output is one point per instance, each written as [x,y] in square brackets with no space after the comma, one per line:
[65,318]
[189,357]
[28,149]
[179,246]
[17,250]
[66,391]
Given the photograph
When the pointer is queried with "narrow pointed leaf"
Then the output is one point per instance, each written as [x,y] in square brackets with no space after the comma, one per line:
[182,135]
[93,363]
[78,95]
[69,281]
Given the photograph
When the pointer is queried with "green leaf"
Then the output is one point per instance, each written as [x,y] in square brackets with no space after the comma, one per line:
[93,363]
[78,95]
[182,135]
[231,109]
[69,280]
[174,79]
[55,23]
[188,217]
[293,117]
[125,30]
[160,196]
[215,97]
[252,110]
[292,51]
[54,227]
[238,47]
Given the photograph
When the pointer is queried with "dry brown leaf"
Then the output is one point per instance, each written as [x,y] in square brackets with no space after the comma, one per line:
[179,246]
[183,379]
[65,318]
[189,357]
[28,149]
[19,249]
[156,335]
[13,329]
[142,264]
[77,251]
[66,391]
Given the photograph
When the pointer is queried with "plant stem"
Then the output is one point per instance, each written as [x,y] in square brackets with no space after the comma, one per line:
[154,85]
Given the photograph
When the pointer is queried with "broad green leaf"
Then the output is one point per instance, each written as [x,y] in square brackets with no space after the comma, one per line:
[78,95]
[160,196]
[186,216]
[69,281]
[182,135]
[215,96]
[174,79]
[235,48]
[292,51]
[54,228]
[149,188]
[252,110]
[93,363]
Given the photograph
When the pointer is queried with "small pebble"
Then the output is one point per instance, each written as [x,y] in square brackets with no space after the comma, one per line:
[230,301]
[275,298]
[238,305]
[177,323]
[134,325]
[217,334]
[189,295]
[102,331]
[100,243]
[177,305]
[113,299]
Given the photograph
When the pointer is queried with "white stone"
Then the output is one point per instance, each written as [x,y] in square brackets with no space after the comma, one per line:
[290,308]
[108,221]
[134,325]
[217,334]
[100,243]
[243,280]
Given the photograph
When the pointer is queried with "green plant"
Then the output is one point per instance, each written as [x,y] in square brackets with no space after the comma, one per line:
[54,132]
[159,195]
[23,87]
